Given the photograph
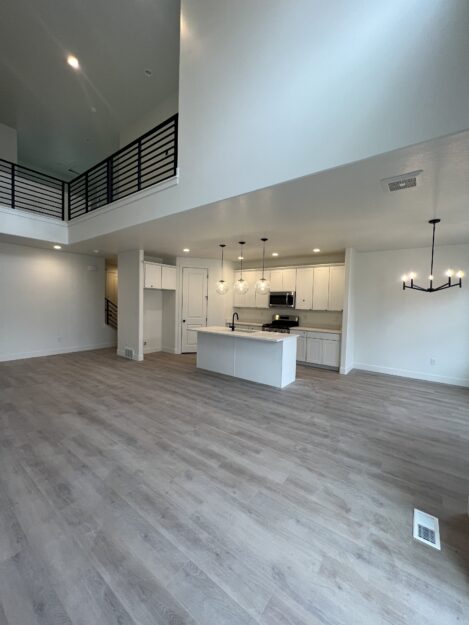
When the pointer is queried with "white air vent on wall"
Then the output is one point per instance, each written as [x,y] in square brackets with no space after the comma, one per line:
[404,181]
[427,529]
[129,353]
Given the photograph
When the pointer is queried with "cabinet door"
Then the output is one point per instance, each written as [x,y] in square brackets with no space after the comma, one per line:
[262,301]
[304,288]
[336,288]
[152,276]
[314,351]
[168,278]
[276,280]
[331,353]
[250,297]
[289,280]
[301,349]
[321,288]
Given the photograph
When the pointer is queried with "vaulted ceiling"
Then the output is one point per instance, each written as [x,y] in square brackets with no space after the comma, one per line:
[69,119]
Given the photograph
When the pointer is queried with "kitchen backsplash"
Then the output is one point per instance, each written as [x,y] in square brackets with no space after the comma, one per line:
[312,318]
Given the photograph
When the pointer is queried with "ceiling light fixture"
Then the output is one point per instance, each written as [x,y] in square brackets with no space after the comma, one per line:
[222,287]
[240,257]
[263,285]
[186,250]
[57,247]
[241,286]
[316,250]
[73,61]
[274,253]
[431,289]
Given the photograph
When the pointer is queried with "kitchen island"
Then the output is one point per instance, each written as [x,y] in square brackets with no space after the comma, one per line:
[263,357]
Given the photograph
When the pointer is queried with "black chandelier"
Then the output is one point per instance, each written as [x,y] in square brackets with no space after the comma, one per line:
[431,289]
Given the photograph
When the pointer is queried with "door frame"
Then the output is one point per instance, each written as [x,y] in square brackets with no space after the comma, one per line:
[181,302]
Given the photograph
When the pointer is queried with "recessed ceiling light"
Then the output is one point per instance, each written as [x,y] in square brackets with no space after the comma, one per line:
[148,73]
[96,251]
[316,250]
[186,249]
[274,253]
[240,257]
[57,247]
[73,61]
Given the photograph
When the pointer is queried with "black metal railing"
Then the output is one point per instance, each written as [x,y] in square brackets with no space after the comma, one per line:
[110,313]
[150,159]
[26,189]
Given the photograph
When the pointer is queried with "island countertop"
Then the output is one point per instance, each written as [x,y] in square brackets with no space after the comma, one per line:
[255,335]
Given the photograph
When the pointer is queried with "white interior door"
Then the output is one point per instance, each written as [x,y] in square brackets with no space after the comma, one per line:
[194,305]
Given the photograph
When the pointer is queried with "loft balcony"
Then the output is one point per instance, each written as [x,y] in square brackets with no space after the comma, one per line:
[147,161]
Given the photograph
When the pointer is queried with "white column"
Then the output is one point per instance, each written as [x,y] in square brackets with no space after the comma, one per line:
[130,307]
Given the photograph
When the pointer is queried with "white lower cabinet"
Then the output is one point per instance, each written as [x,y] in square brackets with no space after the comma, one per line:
[318,348]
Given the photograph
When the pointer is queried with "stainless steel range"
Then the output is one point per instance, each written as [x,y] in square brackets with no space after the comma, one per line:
[281,323]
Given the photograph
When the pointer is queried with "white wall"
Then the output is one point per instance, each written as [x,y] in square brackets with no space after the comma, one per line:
[166,108]
[272,90]
[8,143]
[399,332]
[130,310]
[50,303]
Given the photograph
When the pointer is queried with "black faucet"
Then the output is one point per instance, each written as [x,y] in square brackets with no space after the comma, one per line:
[232,324]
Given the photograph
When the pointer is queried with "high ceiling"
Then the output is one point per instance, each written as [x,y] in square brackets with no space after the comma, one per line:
[331,210]
[69,119]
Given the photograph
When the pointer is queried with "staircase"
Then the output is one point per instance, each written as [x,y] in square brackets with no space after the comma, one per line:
[110,313]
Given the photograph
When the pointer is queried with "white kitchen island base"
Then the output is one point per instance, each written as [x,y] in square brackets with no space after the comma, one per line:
[263,357]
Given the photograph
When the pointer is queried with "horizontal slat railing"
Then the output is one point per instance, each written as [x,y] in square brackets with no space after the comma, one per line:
[111,313]
[26,189]
[150,159]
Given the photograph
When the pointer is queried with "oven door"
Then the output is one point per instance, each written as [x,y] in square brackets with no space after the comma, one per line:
[282,299]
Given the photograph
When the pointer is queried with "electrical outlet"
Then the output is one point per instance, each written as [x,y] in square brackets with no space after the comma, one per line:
[433,361]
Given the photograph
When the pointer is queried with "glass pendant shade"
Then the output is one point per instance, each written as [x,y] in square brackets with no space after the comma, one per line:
[263,286]
[241,286]
[222,287]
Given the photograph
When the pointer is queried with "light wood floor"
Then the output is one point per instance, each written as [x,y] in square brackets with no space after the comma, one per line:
[150,493]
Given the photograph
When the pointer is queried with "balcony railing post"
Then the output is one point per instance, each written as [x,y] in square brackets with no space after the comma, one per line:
[63,201]
[86,192]
[139,164]
[13,185]
[176,121]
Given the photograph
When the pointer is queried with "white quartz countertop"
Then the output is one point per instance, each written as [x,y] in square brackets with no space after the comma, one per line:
[271,337]
[300,328]
[310,329]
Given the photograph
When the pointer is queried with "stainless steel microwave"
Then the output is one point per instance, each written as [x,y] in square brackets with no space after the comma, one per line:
[282,299]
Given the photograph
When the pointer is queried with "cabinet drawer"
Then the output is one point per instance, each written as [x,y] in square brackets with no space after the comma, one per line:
[324,336]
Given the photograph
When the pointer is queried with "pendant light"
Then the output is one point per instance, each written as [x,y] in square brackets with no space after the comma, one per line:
[431,289]
[241,286]
[263,285]
[222,287]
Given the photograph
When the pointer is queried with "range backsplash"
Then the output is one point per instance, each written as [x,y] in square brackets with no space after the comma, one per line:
[312,318]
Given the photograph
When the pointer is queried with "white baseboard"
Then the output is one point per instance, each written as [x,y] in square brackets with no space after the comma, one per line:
[54,352]
[345,370]
[169,350]
[414,375]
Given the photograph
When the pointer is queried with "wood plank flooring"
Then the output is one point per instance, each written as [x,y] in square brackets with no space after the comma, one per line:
[153,493]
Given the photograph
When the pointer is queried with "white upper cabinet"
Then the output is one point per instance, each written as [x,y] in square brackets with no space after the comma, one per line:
[283,279]
[289,279]
[304,288]
[152,276]
[158,276]
[168,278]
[276,280]
[321,288]
[336,287]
